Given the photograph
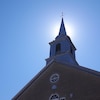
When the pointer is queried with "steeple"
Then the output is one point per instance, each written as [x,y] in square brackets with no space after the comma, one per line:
[62,30]
[62,49]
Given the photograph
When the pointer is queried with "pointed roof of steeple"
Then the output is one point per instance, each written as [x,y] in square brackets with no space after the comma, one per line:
[62,30]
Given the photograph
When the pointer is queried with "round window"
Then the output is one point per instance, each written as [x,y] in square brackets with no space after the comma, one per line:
[54,97]
[54,78]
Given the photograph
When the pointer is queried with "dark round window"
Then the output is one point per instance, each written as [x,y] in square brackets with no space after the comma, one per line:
[54,97]
[54,78]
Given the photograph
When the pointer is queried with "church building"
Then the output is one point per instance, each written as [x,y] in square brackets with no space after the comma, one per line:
[62,78]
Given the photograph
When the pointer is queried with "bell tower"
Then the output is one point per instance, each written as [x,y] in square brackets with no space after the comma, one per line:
[62,49]
[62,78]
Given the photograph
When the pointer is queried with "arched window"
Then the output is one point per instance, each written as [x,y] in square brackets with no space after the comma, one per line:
[54,97]
[58,48]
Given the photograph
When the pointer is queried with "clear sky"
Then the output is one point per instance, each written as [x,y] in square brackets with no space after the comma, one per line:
[26,28]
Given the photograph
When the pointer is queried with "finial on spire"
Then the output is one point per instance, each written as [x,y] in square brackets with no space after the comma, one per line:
[62,14]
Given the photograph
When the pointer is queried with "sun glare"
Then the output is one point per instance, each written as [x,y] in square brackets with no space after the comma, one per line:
[56,30]
[68,27]
[69,30]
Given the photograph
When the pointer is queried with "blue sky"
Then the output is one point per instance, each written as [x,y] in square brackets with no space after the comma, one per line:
[26,28]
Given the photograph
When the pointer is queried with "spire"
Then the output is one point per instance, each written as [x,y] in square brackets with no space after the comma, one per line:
[62,30]
[62,48]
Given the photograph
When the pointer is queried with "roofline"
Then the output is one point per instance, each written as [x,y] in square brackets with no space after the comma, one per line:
[29,83]
[81,68]
[90,71]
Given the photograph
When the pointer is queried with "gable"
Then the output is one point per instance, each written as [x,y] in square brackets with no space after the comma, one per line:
[62,82]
